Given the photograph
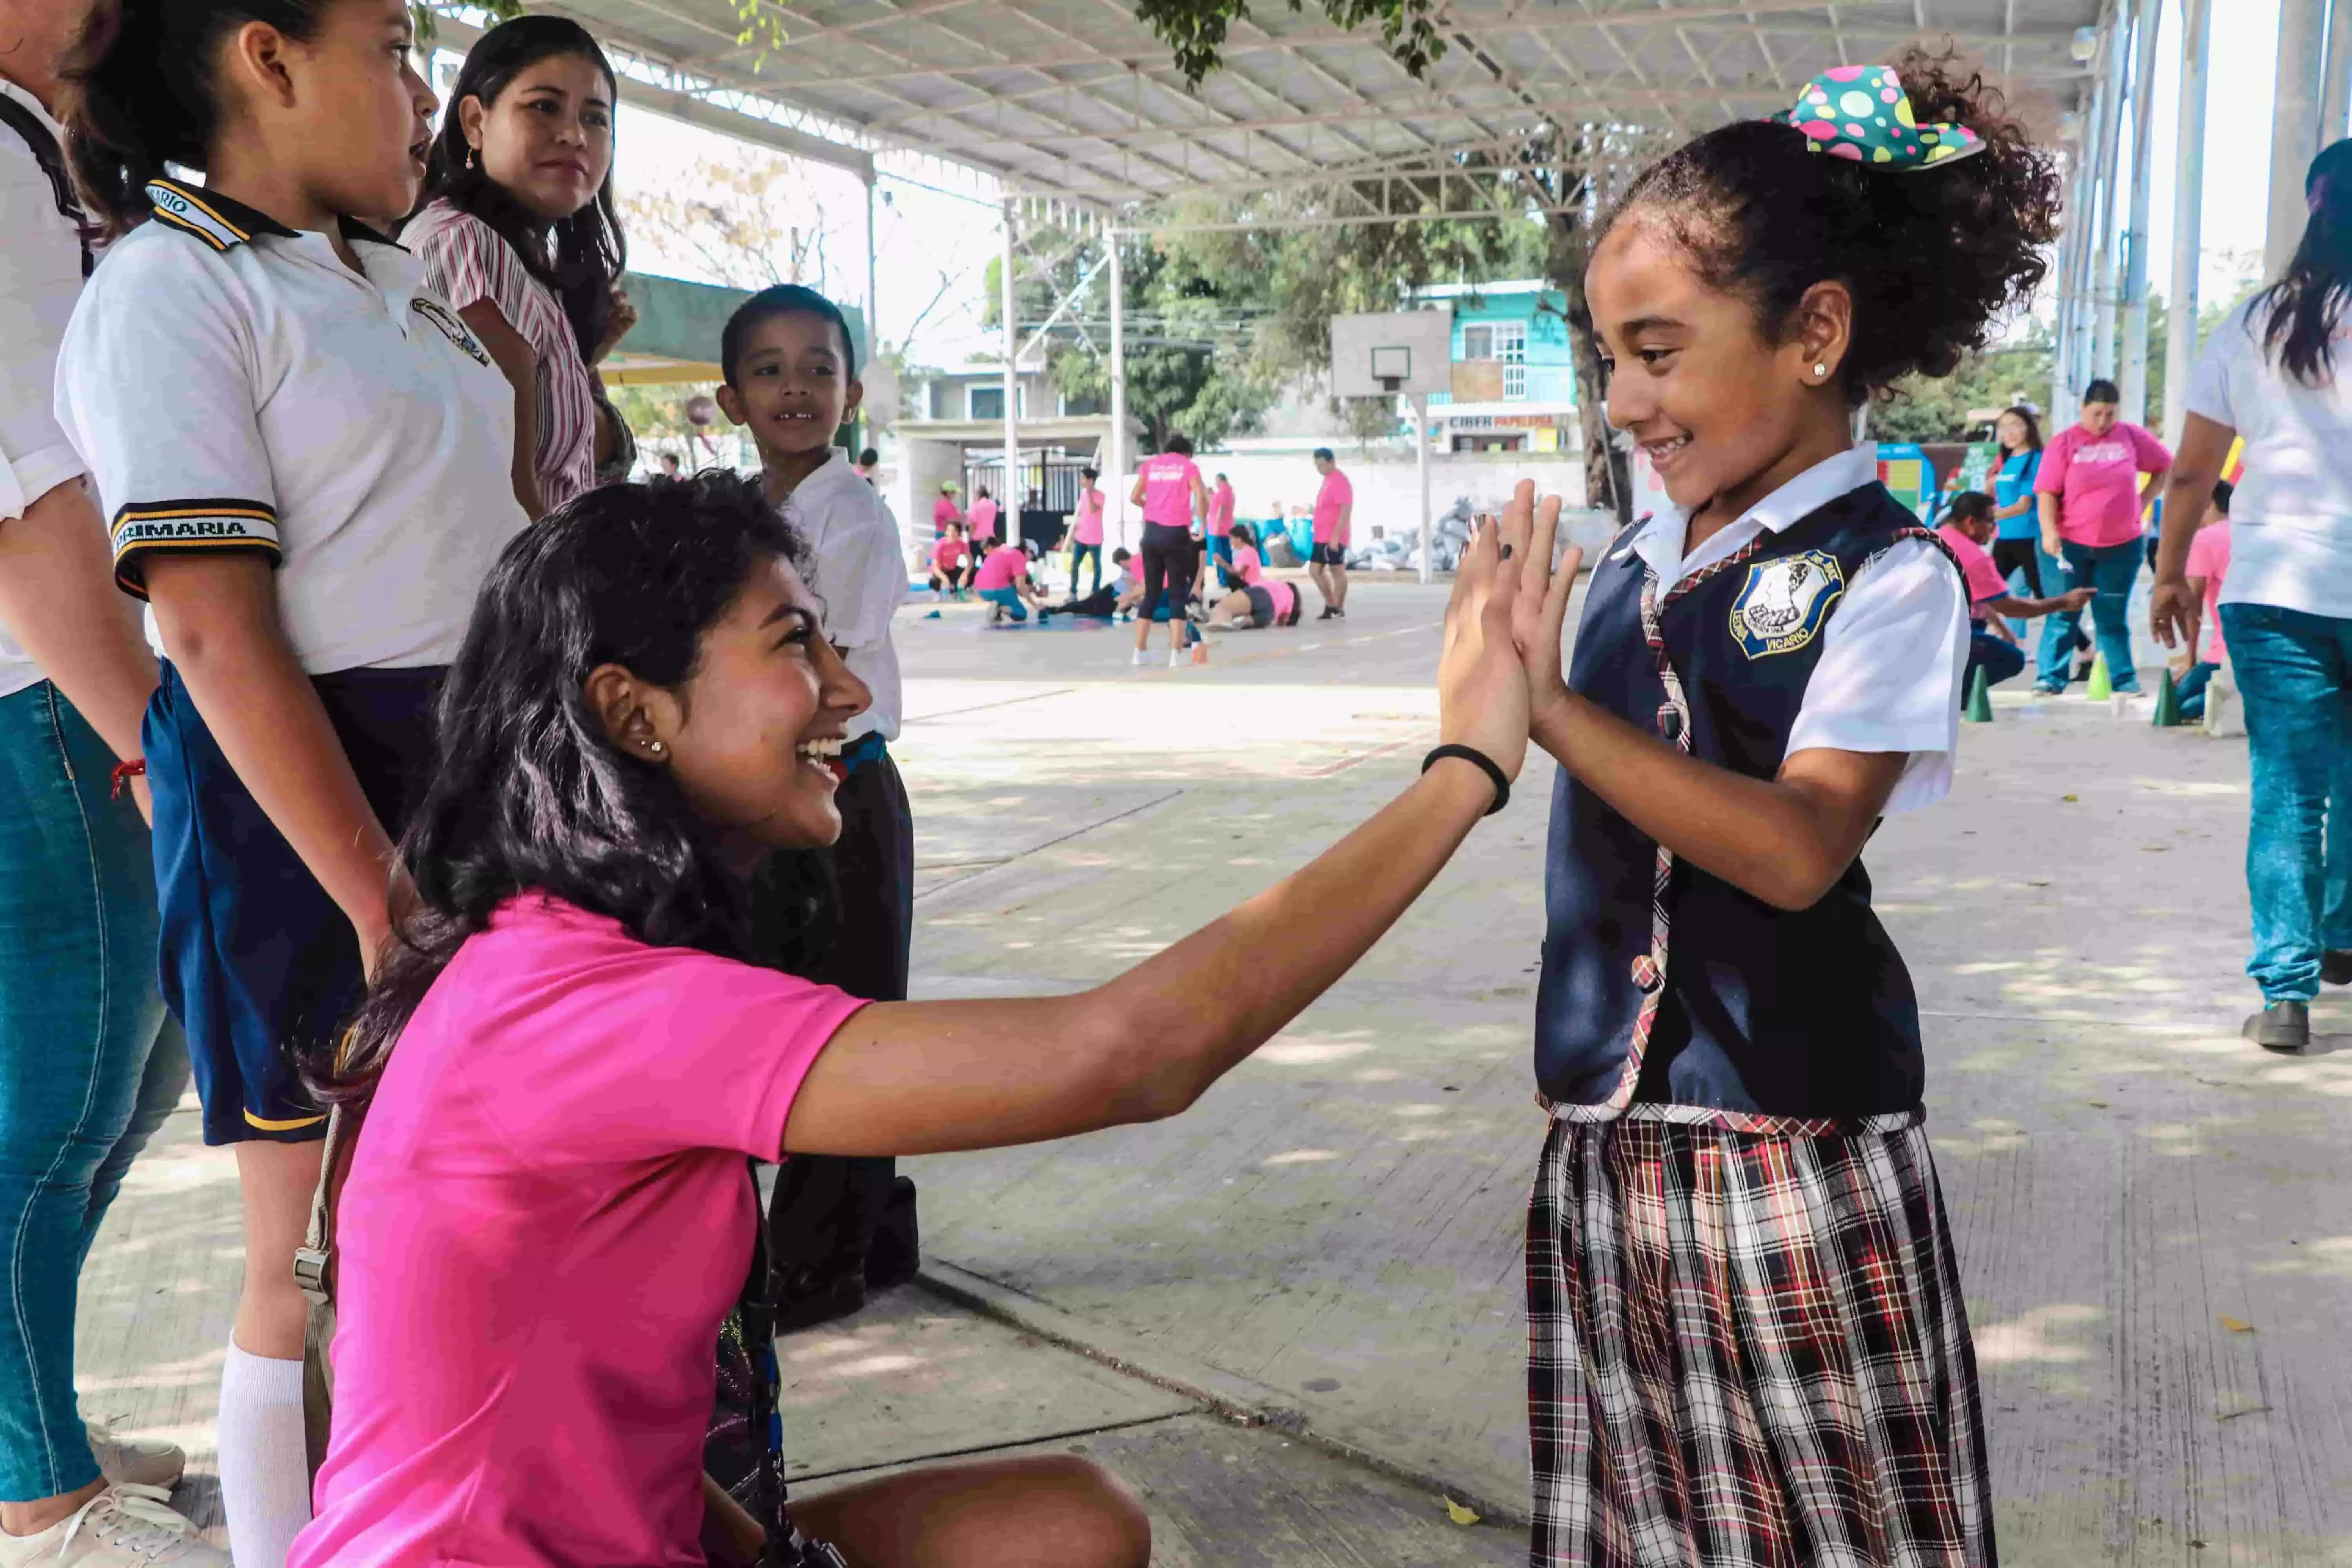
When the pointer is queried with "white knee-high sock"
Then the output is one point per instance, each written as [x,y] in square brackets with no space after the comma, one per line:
[265,1469]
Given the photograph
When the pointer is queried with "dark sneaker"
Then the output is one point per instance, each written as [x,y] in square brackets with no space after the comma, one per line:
[1327,613]
[2336,966]
[2280,1027]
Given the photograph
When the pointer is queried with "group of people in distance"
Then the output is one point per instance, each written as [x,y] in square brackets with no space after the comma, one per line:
[551,854]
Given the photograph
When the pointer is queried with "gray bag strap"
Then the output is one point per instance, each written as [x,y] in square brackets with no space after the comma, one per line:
[313,1265]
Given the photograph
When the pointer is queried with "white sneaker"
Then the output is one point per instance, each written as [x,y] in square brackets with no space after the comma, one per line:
[1176,657]
[141,1461]
[1142,657]
[123,1527]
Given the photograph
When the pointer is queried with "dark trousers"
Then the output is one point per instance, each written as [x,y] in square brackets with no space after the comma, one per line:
[821,1220]
[1998,659]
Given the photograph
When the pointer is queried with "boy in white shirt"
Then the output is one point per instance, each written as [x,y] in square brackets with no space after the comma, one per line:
[791,379]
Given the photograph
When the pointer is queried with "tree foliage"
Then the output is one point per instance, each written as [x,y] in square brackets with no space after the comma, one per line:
[1195,29]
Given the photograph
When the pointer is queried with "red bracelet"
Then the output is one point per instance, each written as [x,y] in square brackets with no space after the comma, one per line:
[136,768]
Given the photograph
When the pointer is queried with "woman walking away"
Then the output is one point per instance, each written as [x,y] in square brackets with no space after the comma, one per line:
[1086,532]
[2088,490]
[2270,374]
[519,230]
[1747,1345]
[90,1062]
[308,473]
[1169,488]
[567,1062]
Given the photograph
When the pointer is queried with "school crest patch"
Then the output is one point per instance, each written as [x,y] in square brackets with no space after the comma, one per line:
[453,327]
[1782,604]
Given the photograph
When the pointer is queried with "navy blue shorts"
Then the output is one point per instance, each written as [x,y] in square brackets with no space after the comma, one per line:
[259,963]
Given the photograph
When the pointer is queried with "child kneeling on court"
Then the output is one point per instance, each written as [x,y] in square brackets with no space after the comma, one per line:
[565,1061]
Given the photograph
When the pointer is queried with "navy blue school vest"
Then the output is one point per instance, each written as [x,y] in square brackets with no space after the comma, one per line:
[1698,994]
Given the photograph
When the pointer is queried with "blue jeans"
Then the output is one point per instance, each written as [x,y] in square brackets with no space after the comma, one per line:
[2294,673]
[1083,553]
[85,1075]
[1008,600]
[1998,659]
[2111,569]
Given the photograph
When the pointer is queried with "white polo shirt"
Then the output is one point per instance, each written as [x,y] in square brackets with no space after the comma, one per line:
[1893,652]
[234,386]
[40,277]
[859,577]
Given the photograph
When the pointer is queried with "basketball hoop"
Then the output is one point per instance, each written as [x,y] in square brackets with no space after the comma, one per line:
[1392,366]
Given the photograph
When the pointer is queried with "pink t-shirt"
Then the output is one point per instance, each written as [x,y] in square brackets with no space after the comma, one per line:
[983,519]
[1220,511]
[1984,579]
[943,512]
[1247,567]
[1285,597]
[547,1218]
[1087,527]
[1003,568]
[1336,493]
[2208,557]
[1167,481]
[949,554]
[2096,481]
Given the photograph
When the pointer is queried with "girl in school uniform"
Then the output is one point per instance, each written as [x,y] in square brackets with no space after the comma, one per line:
[1747,1345]
[520,231]
[305,455]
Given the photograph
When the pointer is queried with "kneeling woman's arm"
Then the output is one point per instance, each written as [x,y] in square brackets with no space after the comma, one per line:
[909,1078]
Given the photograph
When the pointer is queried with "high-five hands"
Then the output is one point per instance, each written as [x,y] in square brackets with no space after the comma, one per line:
[1540,609]
[1482,690]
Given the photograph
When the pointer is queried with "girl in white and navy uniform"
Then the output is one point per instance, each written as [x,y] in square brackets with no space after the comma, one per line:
[1747,1344]
[303,455]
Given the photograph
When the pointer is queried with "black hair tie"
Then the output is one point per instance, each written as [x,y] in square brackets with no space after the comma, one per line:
[1486,764]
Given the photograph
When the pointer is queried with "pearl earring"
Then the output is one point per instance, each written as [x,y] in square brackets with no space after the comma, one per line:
[655,747]
[1820,371]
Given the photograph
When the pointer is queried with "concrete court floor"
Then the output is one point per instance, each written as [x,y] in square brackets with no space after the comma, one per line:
[2155,1239]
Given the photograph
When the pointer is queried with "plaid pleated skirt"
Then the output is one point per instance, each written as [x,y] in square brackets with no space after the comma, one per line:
[1748,1350]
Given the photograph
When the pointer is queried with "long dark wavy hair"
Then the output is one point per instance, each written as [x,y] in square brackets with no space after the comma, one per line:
[529,795]
[2032,423]
[578,258]
[2301,310]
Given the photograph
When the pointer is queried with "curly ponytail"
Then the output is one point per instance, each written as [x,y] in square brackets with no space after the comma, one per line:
[1933,258]
[138,92]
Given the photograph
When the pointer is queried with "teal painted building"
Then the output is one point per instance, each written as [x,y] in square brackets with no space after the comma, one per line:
[1514,373]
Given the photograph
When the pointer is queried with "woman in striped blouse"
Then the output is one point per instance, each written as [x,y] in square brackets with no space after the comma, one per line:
[518,230]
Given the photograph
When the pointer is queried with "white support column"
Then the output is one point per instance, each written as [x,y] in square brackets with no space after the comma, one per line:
[873,306]
[2132,357]
[1115,454]
[2188,216]
[1008,505]
[2070,279]
[2295,126]
[2336,88]
[2104,254]
[1421,465]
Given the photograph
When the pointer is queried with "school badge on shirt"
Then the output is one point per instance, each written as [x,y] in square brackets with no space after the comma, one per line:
[1782,604]
[452,327]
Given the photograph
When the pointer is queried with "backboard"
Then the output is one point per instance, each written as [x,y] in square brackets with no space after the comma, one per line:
[1379,355]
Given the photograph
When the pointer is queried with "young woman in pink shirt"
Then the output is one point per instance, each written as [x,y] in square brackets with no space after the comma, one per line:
[1086,530]
[1169,489]
[571,1054]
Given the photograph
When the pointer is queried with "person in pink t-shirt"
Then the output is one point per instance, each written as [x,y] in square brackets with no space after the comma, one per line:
[2208,563]
[984,522]
[567,1062]
[1218,531]
[1169,489]
[1248,566]
[1003,581]
[1968,526]
[2089,493]
[944,510]
[1335,516]
[1086,532]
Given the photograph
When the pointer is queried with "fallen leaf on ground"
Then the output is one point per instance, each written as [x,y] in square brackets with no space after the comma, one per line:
[1458,1514]
[2070,797]
[2236,1325]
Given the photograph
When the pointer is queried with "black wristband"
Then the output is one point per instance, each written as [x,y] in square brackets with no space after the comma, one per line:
[1485,765]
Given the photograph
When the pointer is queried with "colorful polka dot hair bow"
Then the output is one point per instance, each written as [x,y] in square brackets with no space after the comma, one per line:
[1863,113]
